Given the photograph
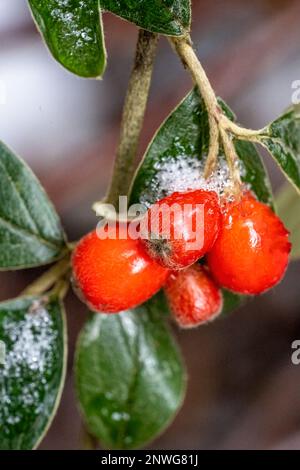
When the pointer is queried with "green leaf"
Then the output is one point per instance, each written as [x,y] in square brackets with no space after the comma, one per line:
[253,171]
[170,17]
[174,161]
[30,230]
[32,375]
[282,139]
[288,207]
[231,301]
[129,376]
[72,30]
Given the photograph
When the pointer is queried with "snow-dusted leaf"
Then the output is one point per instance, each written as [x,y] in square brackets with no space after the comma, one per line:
[32,334]
[72,29]
[175,159]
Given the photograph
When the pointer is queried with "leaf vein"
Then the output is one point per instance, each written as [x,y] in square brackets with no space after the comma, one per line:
[14,185]
[14,227]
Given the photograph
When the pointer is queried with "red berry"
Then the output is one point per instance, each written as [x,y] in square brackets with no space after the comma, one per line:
[193,296]
[115,274]
[181,228]
[252,249]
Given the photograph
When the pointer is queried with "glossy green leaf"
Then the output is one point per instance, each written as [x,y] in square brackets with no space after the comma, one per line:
[129,376]
[170,17]
[32,331]
[72,30]
[175,159]
[231,301]
[288,206]
[30,230]
[282,139]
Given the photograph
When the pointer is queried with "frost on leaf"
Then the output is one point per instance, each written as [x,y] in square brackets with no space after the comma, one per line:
[32,370]
[72,30]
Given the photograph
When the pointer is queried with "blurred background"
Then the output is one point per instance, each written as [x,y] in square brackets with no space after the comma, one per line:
[243,391]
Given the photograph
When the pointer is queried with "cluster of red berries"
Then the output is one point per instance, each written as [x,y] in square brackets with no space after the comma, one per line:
[245,244]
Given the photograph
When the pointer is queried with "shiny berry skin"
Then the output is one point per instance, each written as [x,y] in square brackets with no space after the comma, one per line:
[251,253]
[193,296]
[181,228]
[112,275]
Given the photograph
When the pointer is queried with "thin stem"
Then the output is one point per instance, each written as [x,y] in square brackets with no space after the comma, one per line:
[48,279]
[232,160]
[219,124]
[61,288]
[240,132]
[190,60]
[213,152]
[184,49]
[133,115]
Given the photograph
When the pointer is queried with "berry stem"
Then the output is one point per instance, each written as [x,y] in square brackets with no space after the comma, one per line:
[213,152]
[48,279]
[219,124]
[61,288]
[133,115]
[241,132]
[232,160]
[183,47]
